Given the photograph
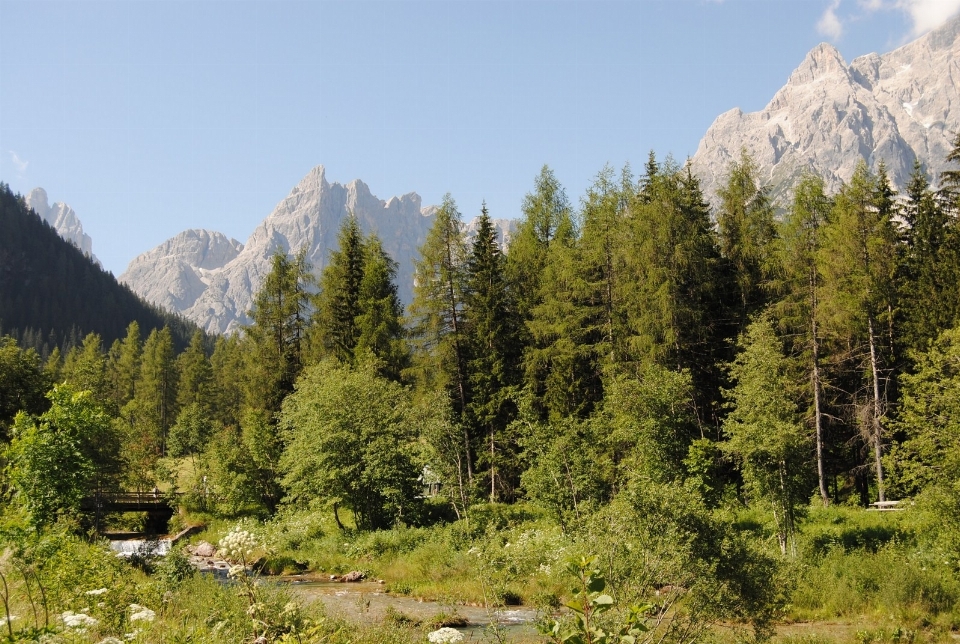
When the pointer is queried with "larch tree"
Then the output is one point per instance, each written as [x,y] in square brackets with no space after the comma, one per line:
[799,308]
[764,432]
[436,315]
[859,260]
[281,312]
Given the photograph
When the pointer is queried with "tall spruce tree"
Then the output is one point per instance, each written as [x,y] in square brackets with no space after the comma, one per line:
[747,232]
[492,327]
[338,303]
[380,322]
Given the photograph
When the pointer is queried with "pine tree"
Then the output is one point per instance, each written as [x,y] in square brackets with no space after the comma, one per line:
[603,260]
[672,303]
[196,385]
[382,334]
[228,365]
[86,367]
[156,396]
[929,272]
[545,211]
[124,367]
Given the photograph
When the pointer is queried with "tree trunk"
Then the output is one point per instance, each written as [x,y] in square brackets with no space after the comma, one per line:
[815,377]
[877,438]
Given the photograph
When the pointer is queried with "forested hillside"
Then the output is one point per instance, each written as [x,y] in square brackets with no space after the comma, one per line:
[706,400]
[52,295]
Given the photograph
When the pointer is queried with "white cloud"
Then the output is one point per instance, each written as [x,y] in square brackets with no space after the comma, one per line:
[18,163]
[830,24]
[928,14]
[924,14]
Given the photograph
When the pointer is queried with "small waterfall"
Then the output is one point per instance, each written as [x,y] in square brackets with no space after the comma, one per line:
[142,547]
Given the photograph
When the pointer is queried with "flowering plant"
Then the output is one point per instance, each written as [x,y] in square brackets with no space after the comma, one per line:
[445,635]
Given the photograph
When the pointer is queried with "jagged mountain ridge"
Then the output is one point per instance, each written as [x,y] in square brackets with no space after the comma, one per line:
[212,280]
[898,107]
[63,219]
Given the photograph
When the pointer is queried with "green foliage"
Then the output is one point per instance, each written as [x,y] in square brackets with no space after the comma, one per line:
[589,603]
[747,238]
[651,420]
[348,443]
[763,428]
[568,472]
[71,452]
[274,357]
[659,544]
[22,383]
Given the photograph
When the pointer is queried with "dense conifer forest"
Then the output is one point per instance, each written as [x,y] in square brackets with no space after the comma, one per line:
[692,407]
[51,295]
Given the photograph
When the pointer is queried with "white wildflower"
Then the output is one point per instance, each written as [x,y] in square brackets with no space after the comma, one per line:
[445,635]
[3,621]
[143,613]
[98,591]
[238,545]
[77,621]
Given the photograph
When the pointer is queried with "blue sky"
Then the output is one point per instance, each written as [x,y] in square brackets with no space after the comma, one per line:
[152,117]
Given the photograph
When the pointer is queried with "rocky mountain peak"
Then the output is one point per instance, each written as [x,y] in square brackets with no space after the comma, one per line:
[823,61]
[63,219]
[895,107]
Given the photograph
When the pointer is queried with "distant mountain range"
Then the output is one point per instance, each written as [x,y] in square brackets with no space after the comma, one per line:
[212,280]
[898,107]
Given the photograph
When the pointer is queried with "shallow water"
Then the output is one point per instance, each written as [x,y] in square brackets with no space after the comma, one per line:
[367,602]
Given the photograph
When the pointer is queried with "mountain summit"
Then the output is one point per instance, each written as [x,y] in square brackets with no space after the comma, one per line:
[212,280]
[63,219]
[895,107]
